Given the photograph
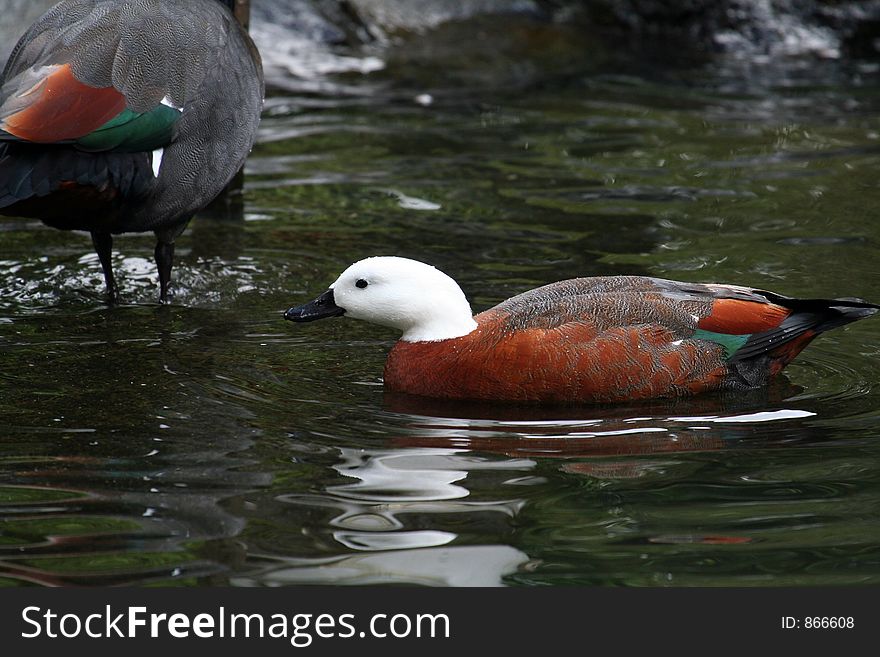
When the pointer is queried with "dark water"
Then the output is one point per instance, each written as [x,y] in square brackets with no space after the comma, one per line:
[210,442]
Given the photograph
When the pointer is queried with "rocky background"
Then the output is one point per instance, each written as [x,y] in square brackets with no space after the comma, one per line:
[306,40]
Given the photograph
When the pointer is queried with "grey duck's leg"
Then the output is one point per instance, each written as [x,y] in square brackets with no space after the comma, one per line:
[103,243]
[164,260]
[165,256]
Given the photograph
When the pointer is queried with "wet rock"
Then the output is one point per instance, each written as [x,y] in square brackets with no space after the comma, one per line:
[305,19]
[383,16]
[857,23]
[311,39]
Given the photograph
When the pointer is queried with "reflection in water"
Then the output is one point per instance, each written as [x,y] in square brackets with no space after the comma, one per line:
[482,565]
[412,475]
[709,422]
[75,520]
[118,480]
[415,504]
[395,490]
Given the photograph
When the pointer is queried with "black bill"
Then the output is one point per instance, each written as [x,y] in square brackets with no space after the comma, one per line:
[323,306]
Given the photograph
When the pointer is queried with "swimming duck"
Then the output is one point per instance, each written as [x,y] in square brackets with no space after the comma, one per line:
[603,339]
[122,116]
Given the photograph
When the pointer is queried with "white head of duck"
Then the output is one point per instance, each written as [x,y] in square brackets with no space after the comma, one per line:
[419,300]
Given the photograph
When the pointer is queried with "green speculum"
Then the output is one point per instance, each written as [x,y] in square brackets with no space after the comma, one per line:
[730,342]
[131,131]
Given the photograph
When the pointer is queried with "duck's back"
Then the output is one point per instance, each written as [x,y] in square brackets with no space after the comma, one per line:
[618,338]
[158,99]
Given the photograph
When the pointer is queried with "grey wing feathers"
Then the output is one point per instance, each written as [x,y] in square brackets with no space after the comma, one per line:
[607,301]
[148,50]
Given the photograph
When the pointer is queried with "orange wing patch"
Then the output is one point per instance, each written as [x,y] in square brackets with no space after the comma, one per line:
[738,317]
[783,355]
[64,108]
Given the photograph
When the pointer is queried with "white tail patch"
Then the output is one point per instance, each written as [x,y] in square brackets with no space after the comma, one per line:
[157,160]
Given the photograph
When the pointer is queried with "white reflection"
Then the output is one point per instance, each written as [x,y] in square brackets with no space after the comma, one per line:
[412,475]
[389,487]
[370,541]
[483,565]
[765,416]
[412,202]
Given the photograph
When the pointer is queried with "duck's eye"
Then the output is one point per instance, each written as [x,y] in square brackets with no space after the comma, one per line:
[361,283]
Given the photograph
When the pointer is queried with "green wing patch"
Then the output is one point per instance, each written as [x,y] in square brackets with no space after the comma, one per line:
[730,342]
[131,132]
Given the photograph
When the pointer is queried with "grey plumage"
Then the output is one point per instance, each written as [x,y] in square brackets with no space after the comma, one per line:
[190,54]
[609,301]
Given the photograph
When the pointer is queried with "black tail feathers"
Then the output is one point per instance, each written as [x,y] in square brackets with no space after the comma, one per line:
[67,188]
[809,318]
[846,310]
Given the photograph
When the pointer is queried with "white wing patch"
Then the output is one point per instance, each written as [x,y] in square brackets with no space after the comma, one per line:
[157,160]
[167,102]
